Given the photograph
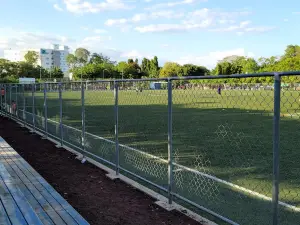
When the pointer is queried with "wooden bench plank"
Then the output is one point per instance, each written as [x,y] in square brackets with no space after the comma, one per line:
[40,198]
[48,206]
[63,207]
[68,218]
[3,216]
[21,202]
[13,212]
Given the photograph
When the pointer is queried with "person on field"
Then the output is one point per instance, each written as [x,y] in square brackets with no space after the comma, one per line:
[219,90]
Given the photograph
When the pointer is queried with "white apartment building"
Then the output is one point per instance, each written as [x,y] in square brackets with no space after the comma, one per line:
[55,56]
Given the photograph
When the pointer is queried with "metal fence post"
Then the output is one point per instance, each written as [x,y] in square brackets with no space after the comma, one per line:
[45,110]
[10,105]
[33,107]
[170,143]
[116,95]
[1,99]
[24,106]
[276,119]
[60,114]
[5,100]
[17,110]
[83,117]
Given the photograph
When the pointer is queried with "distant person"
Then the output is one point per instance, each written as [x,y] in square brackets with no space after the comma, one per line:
[2,94]
[13,107]
[219,90]
[2,97]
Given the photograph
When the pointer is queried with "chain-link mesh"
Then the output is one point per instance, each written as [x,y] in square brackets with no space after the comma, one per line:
[99,120]
[143,129]
[71,111]
[53,110]
[222,142]
[289,164]
[39,107]
[222,136]
[29,104]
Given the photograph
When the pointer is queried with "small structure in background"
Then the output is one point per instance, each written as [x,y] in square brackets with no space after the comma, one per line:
[26,80]
[158,85]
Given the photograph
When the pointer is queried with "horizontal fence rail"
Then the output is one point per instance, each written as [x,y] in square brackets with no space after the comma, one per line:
[211,142]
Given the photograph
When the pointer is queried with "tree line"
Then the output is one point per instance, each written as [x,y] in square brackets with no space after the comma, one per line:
[86,65]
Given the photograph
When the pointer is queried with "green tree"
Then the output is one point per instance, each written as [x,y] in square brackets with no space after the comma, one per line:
[129,70]
[154,67]
[56,72]
[130,61]
[193,70]
[171,69]
[99,58]
[292,51]
[72,61]
[82,55]
[31,57]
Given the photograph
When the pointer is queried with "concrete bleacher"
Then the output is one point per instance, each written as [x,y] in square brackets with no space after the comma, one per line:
[26,197]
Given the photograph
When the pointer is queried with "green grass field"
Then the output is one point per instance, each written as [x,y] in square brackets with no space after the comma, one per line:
[227,136]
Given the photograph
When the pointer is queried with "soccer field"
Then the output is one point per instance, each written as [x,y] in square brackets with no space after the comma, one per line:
[228,137]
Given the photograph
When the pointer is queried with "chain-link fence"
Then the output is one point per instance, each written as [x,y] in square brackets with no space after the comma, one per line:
[209,142]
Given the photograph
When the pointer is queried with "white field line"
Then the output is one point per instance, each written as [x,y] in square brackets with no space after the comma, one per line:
[254,193]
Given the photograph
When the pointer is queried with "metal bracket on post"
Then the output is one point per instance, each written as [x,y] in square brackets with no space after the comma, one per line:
[170,144]
[60,116]
[116,94]
[276,137]
[45,112]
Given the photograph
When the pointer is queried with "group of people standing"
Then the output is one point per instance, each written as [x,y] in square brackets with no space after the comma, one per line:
[12,107]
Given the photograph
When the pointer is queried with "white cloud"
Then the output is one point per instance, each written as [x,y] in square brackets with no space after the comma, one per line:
[243,27]
[80,6]
[209,60]
[112,22]
[99,31]
[167,14]
[24,40]
[285,20]
[214,20]
[175,3]
[134,54]
[57,7]
[84,28]
[96,38]
[34,40]
[172,27]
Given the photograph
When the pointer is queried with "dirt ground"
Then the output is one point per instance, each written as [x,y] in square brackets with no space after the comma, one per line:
[97,198]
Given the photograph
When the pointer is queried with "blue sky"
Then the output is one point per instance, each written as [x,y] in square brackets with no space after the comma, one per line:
[185,31]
